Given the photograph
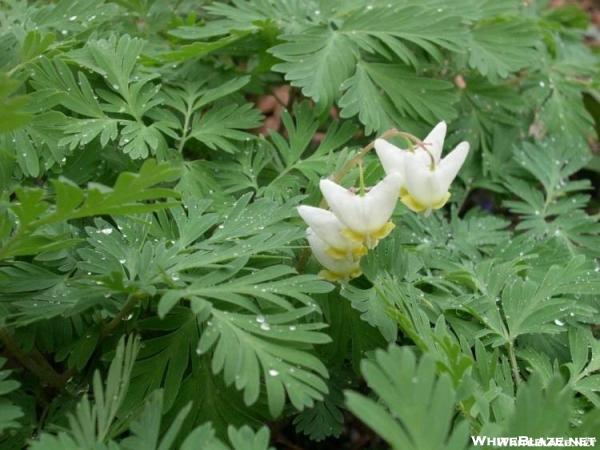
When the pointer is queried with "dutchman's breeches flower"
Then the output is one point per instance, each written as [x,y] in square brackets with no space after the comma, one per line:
[330,230]
[426,177]
[336,269]
[339,237]
[366,217]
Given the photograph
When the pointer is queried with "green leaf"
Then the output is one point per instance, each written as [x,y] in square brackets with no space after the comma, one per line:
[114,58]
[92,423]
[558,210]
[413,398]
[374,310]
[246,439]
[223,123]
[140,141]
[390,30]
[9,412]
[126,197]
[12,107]
[405,95]
[318,60]
[245,345]
[163,359]
[200,49]
[502,46]
[585,356]
[325,419]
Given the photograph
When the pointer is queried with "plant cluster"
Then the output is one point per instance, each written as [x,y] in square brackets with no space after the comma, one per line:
[156,289]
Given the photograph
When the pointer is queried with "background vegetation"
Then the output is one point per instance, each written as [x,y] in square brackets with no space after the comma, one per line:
[154,288]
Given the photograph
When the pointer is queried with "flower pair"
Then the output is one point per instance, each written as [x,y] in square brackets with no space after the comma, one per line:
[339,237]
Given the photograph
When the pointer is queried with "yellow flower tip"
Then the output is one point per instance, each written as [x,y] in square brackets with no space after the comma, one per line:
[403,192]
[418,207]
[336,253]
[353,235]
[359,252]
[442,201]
[355,253]
[334,277]
[357,273]
[373,238]
[384,230]
[412,204]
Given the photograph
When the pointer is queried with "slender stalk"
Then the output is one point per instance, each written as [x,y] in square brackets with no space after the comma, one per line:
[121,315]
[463,203]
[513,362]
[34,362]
[186,125]
[340,174]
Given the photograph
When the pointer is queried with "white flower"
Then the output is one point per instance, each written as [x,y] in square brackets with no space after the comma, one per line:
[330,230]
[393,159]
[365,216]
[426,176]
[336,269]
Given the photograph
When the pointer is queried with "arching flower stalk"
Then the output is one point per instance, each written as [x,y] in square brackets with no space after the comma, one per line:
[356,222]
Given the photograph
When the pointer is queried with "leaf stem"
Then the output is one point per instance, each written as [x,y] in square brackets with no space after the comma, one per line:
[34,362]
[340,174]
[186,125]
[513,362]
[121,315]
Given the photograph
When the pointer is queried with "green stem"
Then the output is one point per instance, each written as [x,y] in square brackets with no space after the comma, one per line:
[121,315]
[34,362]
[186,125]
[361,178]
[513,362]
[340,174]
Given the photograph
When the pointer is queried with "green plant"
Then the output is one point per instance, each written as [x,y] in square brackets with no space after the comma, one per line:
[156,287]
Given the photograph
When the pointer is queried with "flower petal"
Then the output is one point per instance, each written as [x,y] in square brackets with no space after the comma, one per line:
[327,226]
[422,183]
[391,157]
[344,204]
[435,140]
[345,266]
[380,202]
[451,164]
